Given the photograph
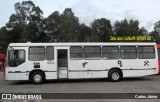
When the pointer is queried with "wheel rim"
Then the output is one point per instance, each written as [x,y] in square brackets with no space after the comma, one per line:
[37,78]
[115,76]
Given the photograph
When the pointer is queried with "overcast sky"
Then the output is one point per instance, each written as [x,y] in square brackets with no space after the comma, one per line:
[145,11]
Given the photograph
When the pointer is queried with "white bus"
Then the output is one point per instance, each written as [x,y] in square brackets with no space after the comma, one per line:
[44,61]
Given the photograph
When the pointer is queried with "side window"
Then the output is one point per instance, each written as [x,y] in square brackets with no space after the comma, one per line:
[158,53]
[128,52]
[146,52]
[76,52]
[16,57]
[49,53]
[36,53]
[110,52]
[92,52]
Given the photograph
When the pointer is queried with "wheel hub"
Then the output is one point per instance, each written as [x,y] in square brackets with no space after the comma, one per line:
[37,78]
[115,76]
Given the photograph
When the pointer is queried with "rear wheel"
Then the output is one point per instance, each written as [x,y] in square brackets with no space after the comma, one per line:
[37,77]
[114,75]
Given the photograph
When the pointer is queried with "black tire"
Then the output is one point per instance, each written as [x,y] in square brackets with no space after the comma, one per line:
[114,75]
[37,77]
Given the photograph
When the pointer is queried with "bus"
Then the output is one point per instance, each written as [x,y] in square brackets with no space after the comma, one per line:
[2,61]
[158,49]
[45,61]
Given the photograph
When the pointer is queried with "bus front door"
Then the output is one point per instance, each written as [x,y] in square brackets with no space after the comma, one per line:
[62,63]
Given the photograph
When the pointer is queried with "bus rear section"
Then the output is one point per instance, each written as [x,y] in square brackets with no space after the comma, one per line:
[45,61]
[158,50]
[2,61]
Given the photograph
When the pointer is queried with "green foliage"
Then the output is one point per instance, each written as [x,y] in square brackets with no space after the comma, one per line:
[157,27]
[52,26]
[85,33]
[142,31]
[4,40]
[69,28]
[63,27]
[128,28]
[156,32]
[102,29]
[125,28]
[28,24]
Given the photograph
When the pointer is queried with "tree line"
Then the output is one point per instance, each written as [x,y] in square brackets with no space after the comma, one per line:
[28,24]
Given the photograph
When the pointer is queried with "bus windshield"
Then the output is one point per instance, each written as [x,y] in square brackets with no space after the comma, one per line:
[16,57]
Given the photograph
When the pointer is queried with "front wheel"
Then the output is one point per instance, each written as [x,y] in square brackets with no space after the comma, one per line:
[37,77]
[114,75]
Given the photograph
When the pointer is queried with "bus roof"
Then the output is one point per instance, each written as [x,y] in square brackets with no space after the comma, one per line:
[82,44]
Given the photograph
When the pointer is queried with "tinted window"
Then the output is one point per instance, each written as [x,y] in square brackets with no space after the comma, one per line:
[36,53]
[158,53]
[76,52]
[146,52]
[128,52]
[92,52]
[49,53]
[16,57]
[110,52]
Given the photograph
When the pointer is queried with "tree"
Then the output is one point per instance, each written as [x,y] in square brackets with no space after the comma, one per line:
[26,22]
[69,27]
[101,29]
[156,32]
[4,39]
[85,33]
[157,27]
[52,25]
[129,28]
[63,27]
[125,28]
[142,31]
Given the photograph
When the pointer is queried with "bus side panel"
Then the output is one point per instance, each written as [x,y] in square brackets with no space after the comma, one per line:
[48,67]
[140,68]
[130,73]
[84,69]
[9,76]
[24,76]
[90,68]
[51,75]
[75,70]
[75,75]
[17,76]
[147,66]
[128,67]
[147,72]
[88,74]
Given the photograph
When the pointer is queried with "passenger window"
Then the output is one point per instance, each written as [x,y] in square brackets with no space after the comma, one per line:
[76,52]
[49,53]
[92,52]
[36,53]
[128,52]
[146,52]
[110,52]
[158,53]
[16,57]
